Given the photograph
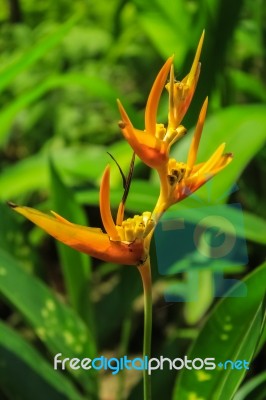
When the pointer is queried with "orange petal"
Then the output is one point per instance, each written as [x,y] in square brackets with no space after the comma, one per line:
[120,213]
[196,138]
[105,210]
[189,83]
[193,183]
[91,241]
[154,97]
[190,185]
[170,87]
[223,162]
[61,219]
[148,148]
[201,177]
[194,72]
[127,128]
[213,160]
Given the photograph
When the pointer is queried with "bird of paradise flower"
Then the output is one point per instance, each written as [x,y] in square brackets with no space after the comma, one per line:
[127,241]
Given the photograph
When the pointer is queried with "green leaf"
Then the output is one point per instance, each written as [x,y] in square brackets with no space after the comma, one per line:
[202,284]
[159,22]
[93,85]
[29,57]
[32,173]
[248,83]
[254,388]
[29,174]
[8,113]
[21,363]
[75,265]
[56,325]
[231,332]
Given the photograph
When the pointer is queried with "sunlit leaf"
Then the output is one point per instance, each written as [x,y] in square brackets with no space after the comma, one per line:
[33,54]
[54,323]
[233,330]
[22,364]
[254,388]
[75,265]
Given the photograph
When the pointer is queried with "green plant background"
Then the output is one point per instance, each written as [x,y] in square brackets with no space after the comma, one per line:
[63,64]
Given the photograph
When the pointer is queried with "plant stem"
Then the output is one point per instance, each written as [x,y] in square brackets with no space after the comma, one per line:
[145,272]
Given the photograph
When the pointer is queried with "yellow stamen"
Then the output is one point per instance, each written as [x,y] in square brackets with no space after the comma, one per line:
[173,135]
[135,228]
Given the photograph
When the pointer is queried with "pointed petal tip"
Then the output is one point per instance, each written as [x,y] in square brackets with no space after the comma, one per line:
[229,155]
[204,107]
[120,107]
[221,148]
[154,97]
[196,63]
[125,118]
[201,40]
[171,58]
[106,172]
[11,204]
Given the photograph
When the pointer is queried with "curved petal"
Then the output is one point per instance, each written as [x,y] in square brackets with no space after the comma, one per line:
[154,97]
[222,163]
[91,241]
[105,210]
[199,177]
[148,148]
[213,160]
[194,71]
[181,93]
[193,150]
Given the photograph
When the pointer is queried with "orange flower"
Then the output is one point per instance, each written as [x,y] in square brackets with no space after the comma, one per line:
[123,244]
[127,241]
[181,93]
[153,144]
[180,179]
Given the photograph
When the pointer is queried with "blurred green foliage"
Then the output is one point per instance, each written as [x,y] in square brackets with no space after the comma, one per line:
[62,66]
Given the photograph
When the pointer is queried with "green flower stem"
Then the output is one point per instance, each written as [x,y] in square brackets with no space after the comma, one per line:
[145,272]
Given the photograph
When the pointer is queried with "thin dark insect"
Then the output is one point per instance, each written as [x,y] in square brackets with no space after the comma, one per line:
[126,180]
[129,178]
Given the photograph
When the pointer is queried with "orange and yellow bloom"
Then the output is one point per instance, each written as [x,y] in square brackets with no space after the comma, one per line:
[122,244]
[153,144]
[127,241]
[179,180]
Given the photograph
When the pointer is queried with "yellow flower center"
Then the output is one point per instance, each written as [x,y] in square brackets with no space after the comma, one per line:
[134,228]
[180,91]
[176,171]
[169,135]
